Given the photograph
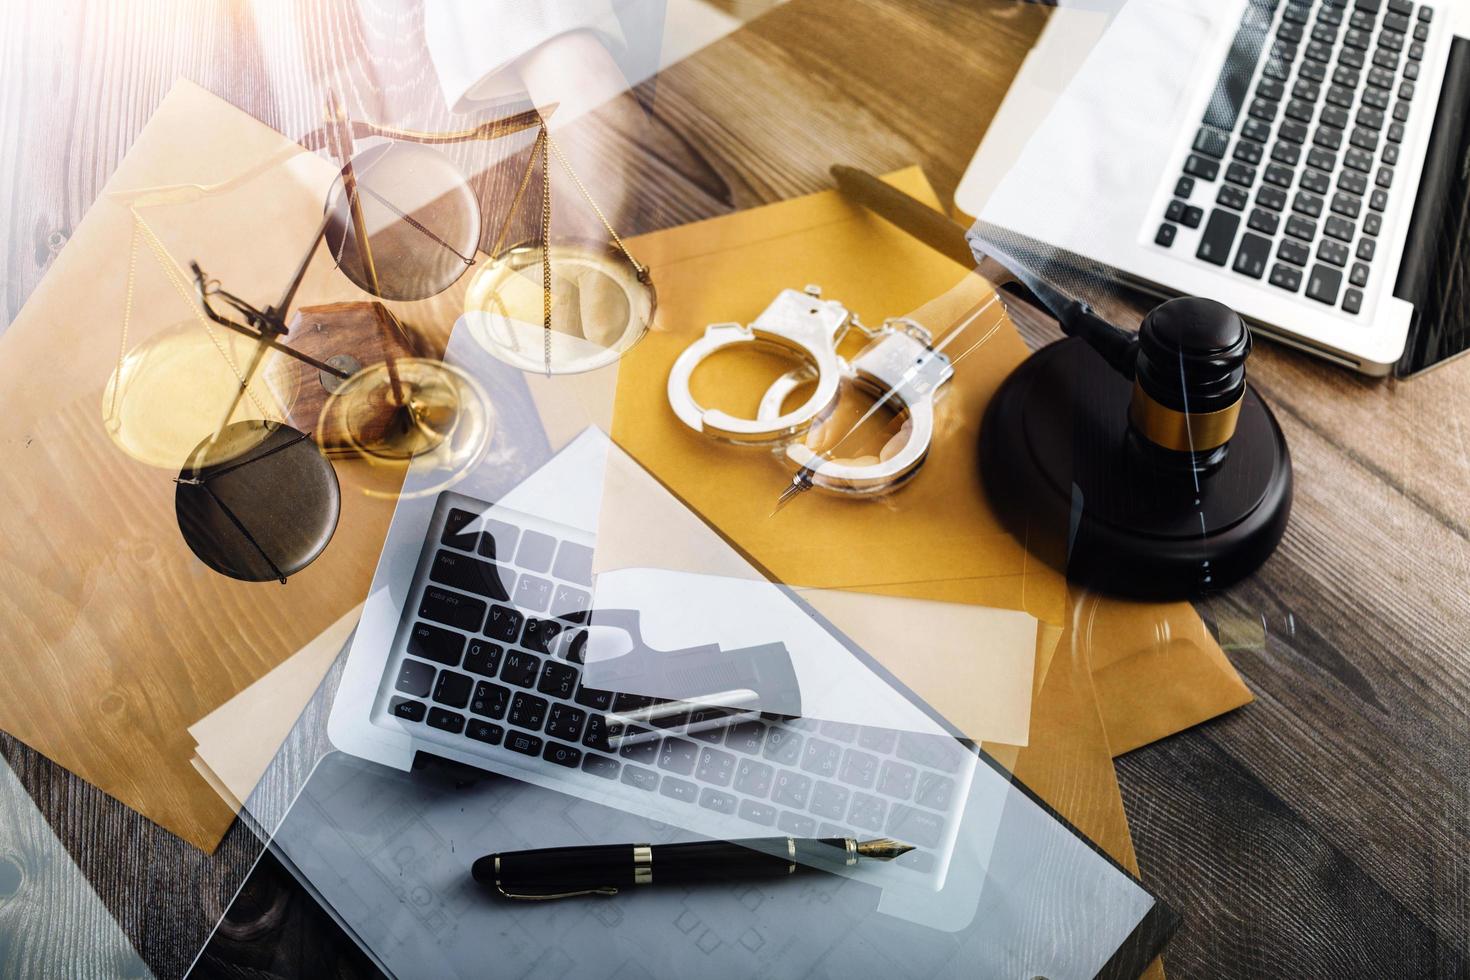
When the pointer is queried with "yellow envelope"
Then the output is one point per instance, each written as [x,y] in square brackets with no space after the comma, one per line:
[935,539]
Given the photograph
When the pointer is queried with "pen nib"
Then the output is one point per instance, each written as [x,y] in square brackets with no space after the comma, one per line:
[800,483]
[883,848]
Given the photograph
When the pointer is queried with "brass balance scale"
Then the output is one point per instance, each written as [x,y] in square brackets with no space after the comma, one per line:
[258,499]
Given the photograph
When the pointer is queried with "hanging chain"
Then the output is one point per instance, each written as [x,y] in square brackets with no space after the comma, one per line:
[544,141]
[617,240]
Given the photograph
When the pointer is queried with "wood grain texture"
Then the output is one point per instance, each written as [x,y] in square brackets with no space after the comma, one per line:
[1320,831]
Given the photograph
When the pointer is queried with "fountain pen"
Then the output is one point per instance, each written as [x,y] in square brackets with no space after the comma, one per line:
[602,869]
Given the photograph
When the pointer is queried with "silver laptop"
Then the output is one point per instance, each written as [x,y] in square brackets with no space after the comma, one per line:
[1294,159]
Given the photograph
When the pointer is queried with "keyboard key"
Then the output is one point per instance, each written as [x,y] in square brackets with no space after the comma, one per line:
[433,643]
[1375,98]
[830,800]
[527,711]
[594,698]
[446,721]
[1359,274]
[1362,20]
[1183,187]
[483,658]
[504,623]
[1240,173]
[484,731]
[557,680]
[1328,14]
[1165,235]
[565,722]
[914,826]
[1254,129]
[1193,216]
[1384,177]
[1286,154]
[452,609]
[1328,136]
[858,768]
[1271,197]
[1294,131]
[1299,227]
[1353,182]
[1395,133]
[1316,181]
[880,740]
[1319,52]
[1289,31]
[562,755]
[783,746]
[935,791]
[571,604]
[896,779]
[1339,228]
[1218,237]
[713,799]
[796,825]
[1278,175]
[867,812]
[469,575]
[599,733]
[535,551]
[1348,204]
[1307,203]
[523,742]
[1358,160]
[1378,200]
[715,767]
[1251,257]
[1323,160]
[1380,78]
[745,736]
[1324,283]
[490,700]
[533,592]
[791,789]
[1296,13]
[1175,211]
[1364,139]
[645,779]
[498,540]
[1385,58]
[1340,93]
[1332,251]
[539,633]
[406,709]
[1352,301]
[455,535]
[757,812]
[753,778]
[678,755]
[1416,51]
[637,744]
[1366,247]
[934,751]
[520,668]
[1406,90]
[1307,90]
[1426,14]
[1201,167]
[1421,32]
[821,758]
[1299,110]
[573,563]
[1351,57]
[1247,152]
[453,689]
[1286,277]
[1211,142]
[1314,71]
[1294,252]
[1411,70]
[600,765]
[415,678]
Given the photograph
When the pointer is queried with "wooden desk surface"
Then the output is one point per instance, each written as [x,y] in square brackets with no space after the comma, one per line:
[1321,831]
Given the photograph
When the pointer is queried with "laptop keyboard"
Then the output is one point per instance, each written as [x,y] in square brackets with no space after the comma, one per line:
[1290,179]
[491,662]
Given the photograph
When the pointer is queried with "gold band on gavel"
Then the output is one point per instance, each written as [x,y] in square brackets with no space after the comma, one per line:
[1181,431]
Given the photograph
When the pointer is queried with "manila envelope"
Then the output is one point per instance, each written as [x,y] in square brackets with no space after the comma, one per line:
[936,539]
[119,637]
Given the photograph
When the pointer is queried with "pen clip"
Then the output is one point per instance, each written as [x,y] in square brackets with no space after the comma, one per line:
[603,890]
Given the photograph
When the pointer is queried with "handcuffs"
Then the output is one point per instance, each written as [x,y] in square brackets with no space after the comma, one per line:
[899,358]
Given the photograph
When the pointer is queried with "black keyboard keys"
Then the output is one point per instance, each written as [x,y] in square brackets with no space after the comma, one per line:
[415,678]
[1251,257]
[446,721]
[433,643]
[470,575]
[1286,277]
[1232,197]
[1201,167]
[1295,252]
[453,689]
[452,609]
[1324,283]
[1263,221]
[1218,237]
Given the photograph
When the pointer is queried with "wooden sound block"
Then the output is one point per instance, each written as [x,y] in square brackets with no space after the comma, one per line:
[352,336]
[1067,476]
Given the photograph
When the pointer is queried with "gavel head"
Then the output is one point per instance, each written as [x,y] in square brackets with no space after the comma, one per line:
[1189,379]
